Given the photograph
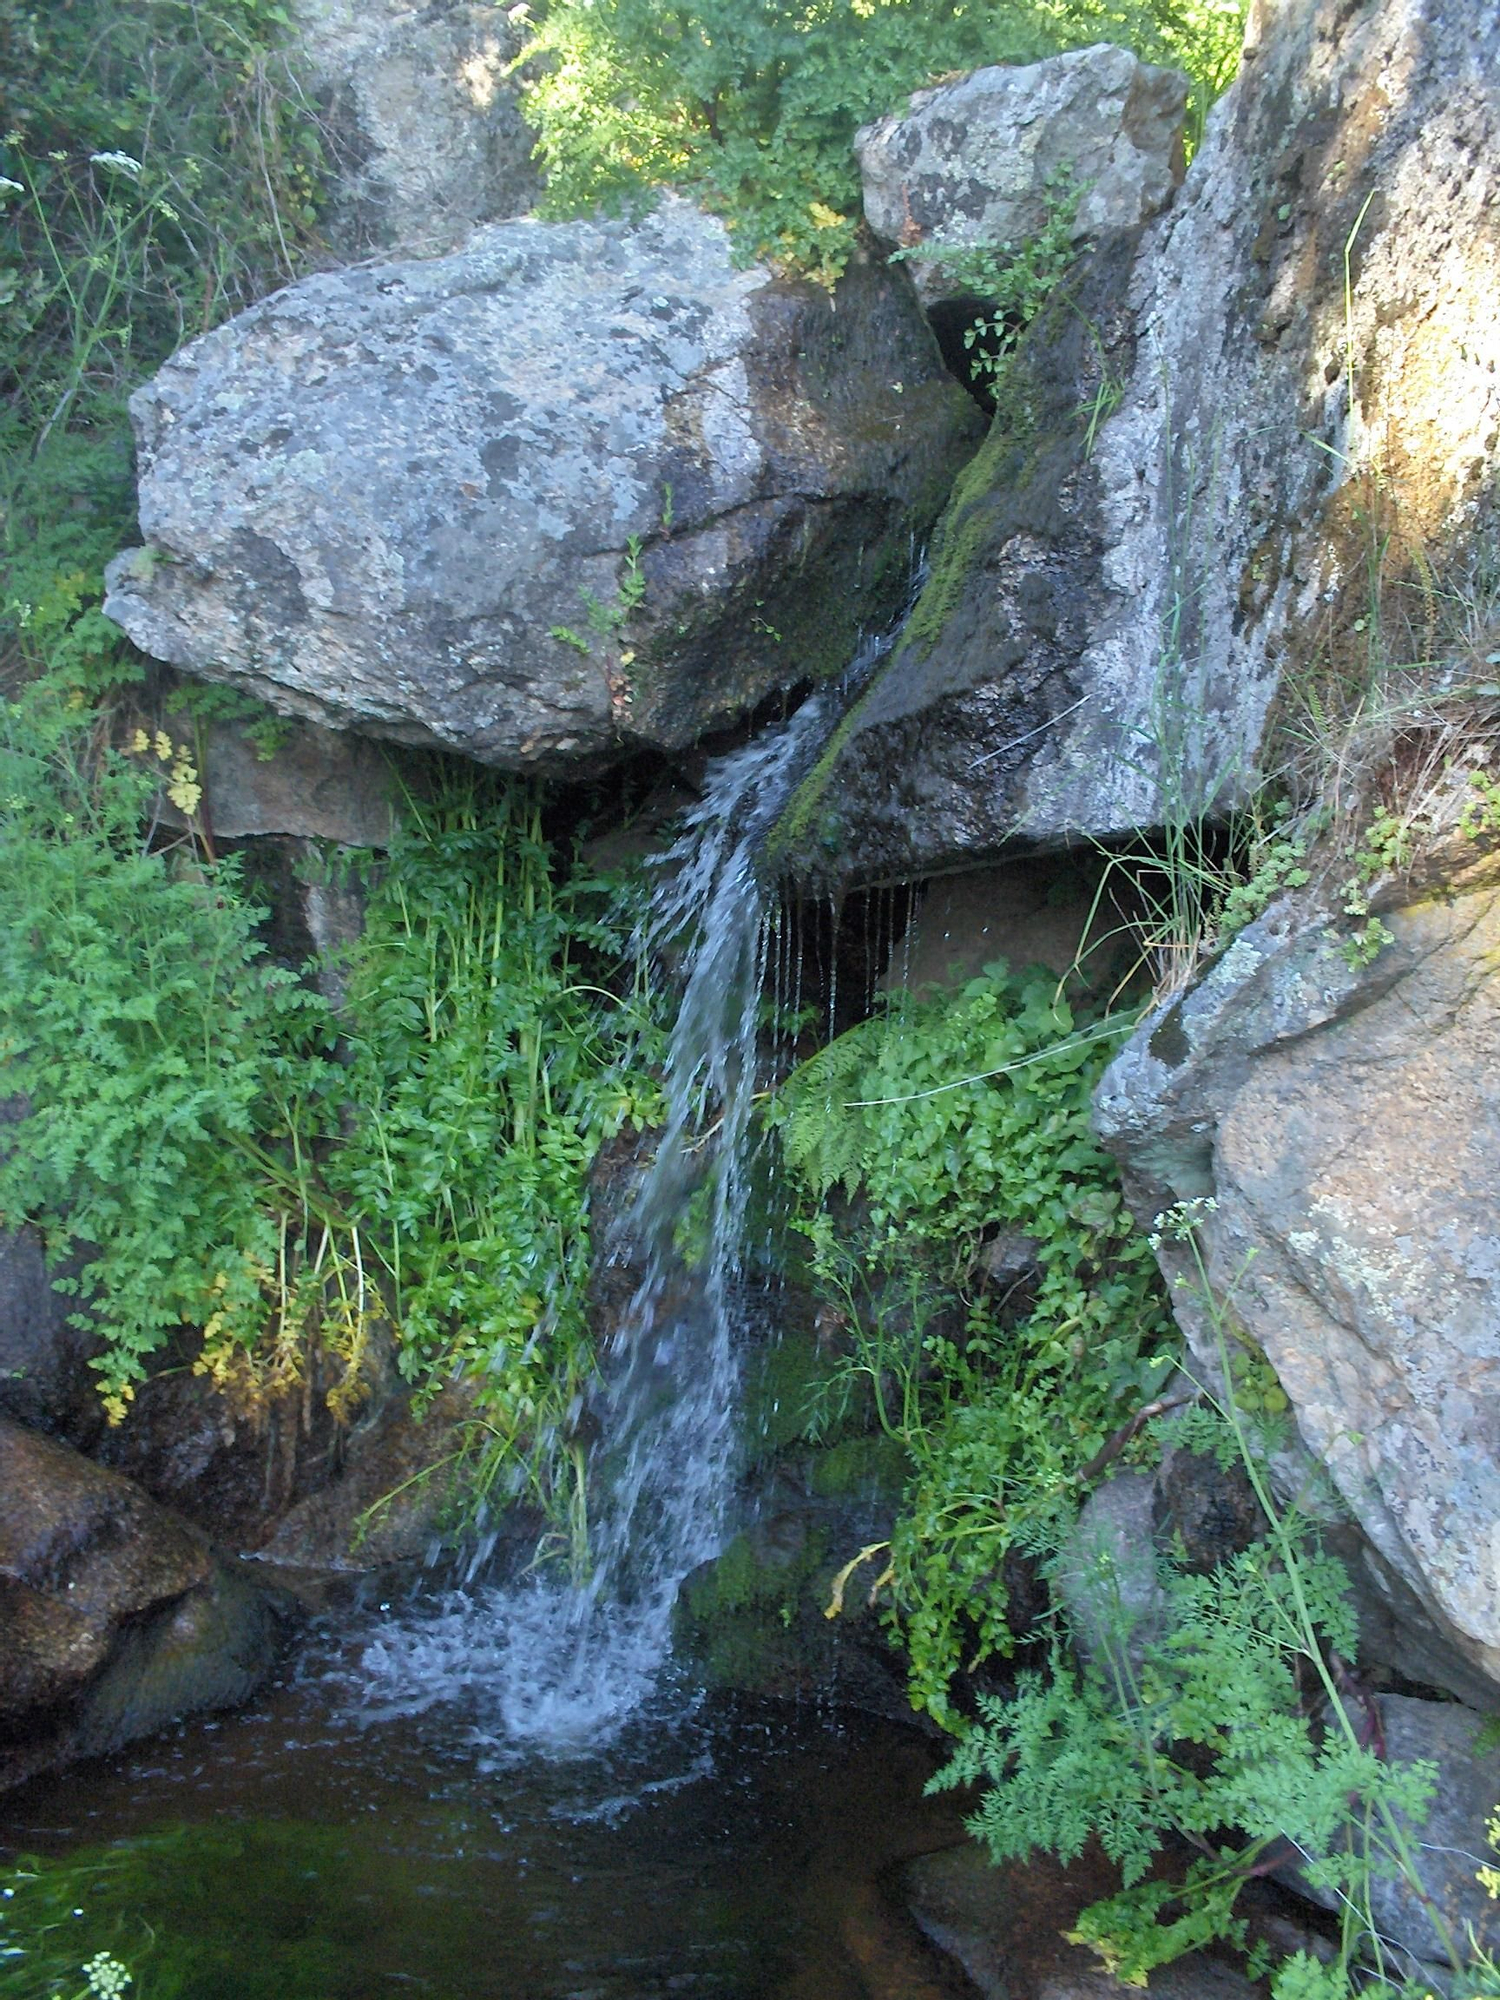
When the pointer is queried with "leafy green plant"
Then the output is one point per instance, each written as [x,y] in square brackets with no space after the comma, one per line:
[160,167]
[941,1120]
[1015,280]
[754,107]
[230,1156]
[1223,1717]
[1481,810]
[162,1058]
[487,1062]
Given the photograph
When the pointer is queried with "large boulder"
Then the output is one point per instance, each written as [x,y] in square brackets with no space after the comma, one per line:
[1340,1122]
[1196,452]
[983,161]
[575,488]
[420,119]
[115,1617]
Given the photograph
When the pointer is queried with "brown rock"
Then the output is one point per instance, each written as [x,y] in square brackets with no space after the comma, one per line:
[115,1617]
[1005,1927]
[81,1551]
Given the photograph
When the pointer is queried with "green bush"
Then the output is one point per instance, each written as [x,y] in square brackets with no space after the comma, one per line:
[941,1121]
[753,104]
[160,168]
[499,1030]
[233,1157]
[1195,1733]
[163,1058]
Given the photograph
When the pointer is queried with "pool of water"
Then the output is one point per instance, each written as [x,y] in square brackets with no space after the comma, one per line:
[367,1828]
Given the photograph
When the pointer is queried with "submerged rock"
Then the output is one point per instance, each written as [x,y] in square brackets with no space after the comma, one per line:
[983,161]
[1189,450]
[1345,1120]
[117,1617]
[576,487]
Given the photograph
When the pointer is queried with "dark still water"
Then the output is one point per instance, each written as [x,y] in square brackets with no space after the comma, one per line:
[365,1831]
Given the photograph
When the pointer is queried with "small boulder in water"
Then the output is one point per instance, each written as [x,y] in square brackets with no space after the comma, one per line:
[115,1616]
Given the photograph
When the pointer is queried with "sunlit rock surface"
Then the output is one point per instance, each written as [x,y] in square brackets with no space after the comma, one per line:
[419,120]
[1346,1122]
[1195,455]
[577,488]
[985,160]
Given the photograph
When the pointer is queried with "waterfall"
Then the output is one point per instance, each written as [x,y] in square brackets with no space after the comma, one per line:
[561,1667]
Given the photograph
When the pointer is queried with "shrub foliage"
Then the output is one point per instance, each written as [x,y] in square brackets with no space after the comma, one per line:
[754,106]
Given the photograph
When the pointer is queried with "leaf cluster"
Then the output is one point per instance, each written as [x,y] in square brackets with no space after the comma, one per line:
[158,1056]
[225,1153]
[1210,1723]
[487,1061]
[916,1137]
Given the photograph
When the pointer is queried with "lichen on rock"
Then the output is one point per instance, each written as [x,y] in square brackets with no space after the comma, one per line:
[575,489]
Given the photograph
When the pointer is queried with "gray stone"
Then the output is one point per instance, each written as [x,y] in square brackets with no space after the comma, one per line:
[1107,1572]
[1168,508]
[315,784]
[1444,1906]
[421,122]
[403,499]
[977,161]
[1346,1121]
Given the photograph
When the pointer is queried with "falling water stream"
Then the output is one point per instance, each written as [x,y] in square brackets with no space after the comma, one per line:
[508,1791]
[565,1664]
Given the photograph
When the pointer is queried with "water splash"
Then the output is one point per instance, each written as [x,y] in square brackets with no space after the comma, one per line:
[560,1668]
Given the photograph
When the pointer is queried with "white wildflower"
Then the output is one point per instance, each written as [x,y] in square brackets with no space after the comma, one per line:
[106,1976]
[8,186]
[117,163]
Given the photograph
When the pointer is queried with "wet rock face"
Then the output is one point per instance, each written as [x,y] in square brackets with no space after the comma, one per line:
[576,488]
[421,122]
[985,159]
[1346,1121]
[114,1616]
[45,1377]
[1169,504]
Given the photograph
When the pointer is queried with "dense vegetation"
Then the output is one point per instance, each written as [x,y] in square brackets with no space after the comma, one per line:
[299,1187]
[938,1126]
[159,168]
[237,1157]
[754,106]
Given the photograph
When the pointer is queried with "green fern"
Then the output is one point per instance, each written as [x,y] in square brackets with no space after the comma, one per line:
[950,1117]
[825,1139]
